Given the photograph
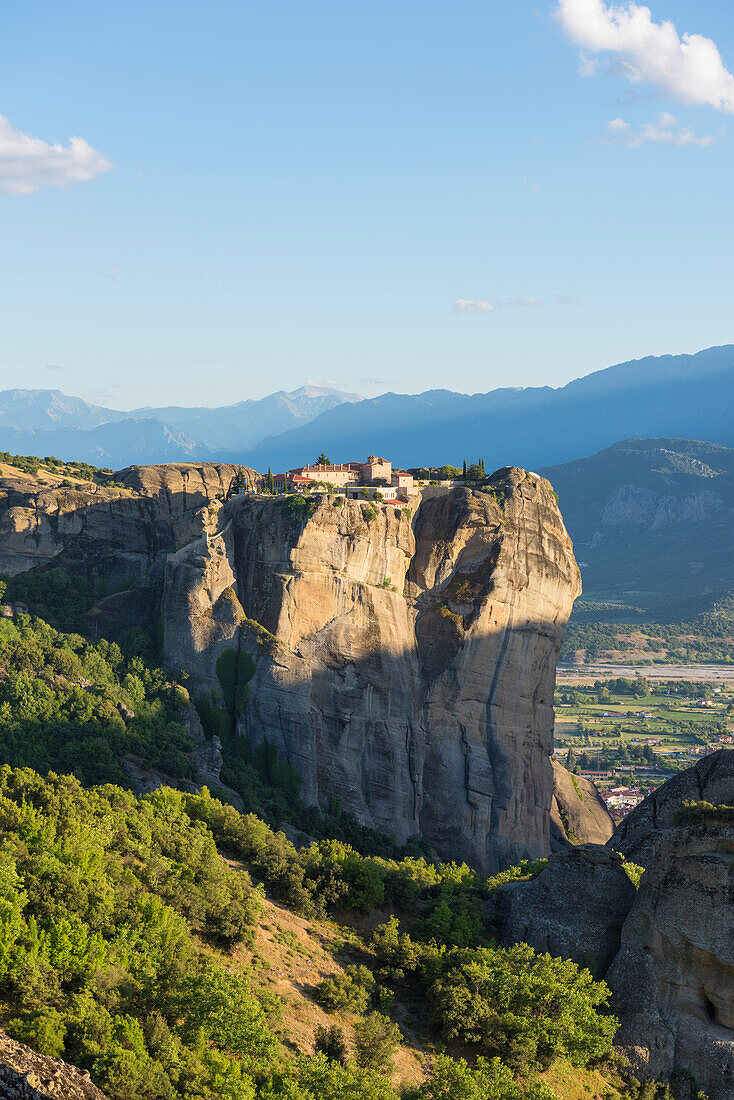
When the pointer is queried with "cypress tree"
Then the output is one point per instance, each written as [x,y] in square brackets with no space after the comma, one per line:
[464,474]
[271,482]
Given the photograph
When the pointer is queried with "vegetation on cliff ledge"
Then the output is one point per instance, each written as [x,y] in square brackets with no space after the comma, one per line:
[68,705]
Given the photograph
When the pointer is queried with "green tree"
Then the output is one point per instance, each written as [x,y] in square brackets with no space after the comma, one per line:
[322,460]
[454,1079]
[330,1041]
[524,1008]
[349,991]
[376,1039]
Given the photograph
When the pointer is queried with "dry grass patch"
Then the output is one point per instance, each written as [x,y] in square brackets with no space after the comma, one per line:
[289,958]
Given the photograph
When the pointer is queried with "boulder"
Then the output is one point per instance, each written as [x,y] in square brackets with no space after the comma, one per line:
[574,909]
[578,812]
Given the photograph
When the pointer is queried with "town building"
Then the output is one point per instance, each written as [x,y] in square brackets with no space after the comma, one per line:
[339,476]
[370,479]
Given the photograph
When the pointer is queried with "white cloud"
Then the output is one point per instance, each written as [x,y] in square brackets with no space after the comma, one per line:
[667,130]
[486,305]
[689,67]
[27,163]
[514,302]
[467,305]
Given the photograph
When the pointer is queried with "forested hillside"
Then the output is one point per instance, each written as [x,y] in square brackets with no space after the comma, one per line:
[131,927]
[651,523]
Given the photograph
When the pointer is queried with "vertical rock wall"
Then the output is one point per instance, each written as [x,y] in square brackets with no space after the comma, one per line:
[405,656]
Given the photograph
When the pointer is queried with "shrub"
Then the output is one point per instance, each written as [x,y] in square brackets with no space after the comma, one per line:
[456,920]
[453,1079]
[526,869]
[634,872]
[318,1078]
[349,991]
[330,1041]
[376,1039]
[693,813]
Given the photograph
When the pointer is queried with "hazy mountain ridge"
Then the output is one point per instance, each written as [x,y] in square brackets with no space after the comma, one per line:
[117,444]
[45,410]
[247,422]
[652,522]
[682,396]
[48,422]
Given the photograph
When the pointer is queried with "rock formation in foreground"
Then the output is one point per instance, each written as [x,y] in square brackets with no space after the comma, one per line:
[403,658]
[574,909]
[26,1075]
[666,950]
[673,978]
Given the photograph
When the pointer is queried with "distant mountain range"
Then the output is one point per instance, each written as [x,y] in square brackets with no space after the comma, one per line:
[672,395]
[681,396]
[652,522]
[48,422]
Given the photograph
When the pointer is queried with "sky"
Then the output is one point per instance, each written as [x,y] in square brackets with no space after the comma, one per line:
[201,203]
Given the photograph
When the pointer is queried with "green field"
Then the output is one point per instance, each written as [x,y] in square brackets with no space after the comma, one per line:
[622,723]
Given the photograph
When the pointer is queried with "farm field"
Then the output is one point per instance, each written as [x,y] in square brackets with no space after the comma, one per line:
[635,731]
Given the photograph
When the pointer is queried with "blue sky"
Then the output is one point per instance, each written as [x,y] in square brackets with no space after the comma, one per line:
[305,191]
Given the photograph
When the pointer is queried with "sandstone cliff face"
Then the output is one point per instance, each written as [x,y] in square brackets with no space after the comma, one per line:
[121,534]
[673,979]
[405,663]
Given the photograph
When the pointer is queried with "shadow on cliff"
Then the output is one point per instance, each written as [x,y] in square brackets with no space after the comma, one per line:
[456,750]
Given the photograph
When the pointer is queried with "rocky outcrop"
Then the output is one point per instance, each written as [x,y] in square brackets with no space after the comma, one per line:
[574,909]
[26,1075]
[673,979]
[632,504]
[638,837]
[666,950]
[578,812]
[404,657]
[120,534]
